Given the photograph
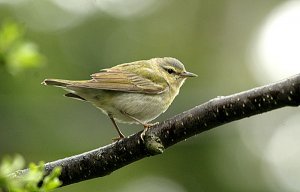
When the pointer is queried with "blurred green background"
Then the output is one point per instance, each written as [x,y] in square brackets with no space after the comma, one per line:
[232,45]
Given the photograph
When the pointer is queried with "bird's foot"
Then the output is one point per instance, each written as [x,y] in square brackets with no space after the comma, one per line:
[149,125]
[121,136]
[117,139]
[146,127]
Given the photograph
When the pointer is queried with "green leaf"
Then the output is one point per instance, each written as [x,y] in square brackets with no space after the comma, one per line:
[9,164]
[10,33]
[17,53]
[24,56]
[29,182]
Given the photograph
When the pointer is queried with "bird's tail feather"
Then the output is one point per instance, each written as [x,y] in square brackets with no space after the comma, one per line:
[64,84]
[74,96]
[57,82]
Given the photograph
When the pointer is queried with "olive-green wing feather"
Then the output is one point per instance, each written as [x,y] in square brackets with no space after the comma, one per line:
[119,80]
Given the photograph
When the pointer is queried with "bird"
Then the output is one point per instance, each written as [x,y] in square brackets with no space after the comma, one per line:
[135,92]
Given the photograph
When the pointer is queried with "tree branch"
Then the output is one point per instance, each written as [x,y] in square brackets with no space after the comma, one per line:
[216,112]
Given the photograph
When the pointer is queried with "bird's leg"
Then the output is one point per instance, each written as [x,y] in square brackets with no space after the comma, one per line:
[146,125]
[121,136]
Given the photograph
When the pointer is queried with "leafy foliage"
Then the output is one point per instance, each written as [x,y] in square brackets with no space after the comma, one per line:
[33,181]
[17,53]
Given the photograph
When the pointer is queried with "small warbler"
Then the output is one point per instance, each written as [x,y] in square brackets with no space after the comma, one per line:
[135,92]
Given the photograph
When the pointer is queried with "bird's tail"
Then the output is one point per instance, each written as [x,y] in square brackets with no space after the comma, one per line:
[57,82]
[63,84]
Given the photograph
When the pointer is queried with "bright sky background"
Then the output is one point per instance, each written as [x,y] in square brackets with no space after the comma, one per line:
[276,49]
[275,55]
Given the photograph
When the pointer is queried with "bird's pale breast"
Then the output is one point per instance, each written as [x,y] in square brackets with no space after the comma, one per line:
[144,107]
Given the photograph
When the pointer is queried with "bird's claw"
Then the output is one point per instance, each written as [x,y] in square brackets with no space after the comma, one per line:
[146,127]
[118,138]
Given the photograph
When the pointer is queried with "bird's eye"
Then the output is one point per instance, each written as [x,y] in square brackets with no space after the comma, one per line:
[170,71]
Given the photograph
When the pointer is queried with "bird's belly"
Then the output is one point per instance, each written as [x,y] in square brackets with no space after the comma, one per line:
[143,107]
[140,106]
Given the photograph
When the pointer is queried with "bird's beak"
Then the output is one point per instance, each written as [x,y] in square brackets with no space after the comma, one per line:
[188,74]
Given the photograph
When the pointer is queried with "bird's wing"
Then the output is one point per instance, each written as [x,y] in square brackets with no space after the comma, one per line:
[120,80]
